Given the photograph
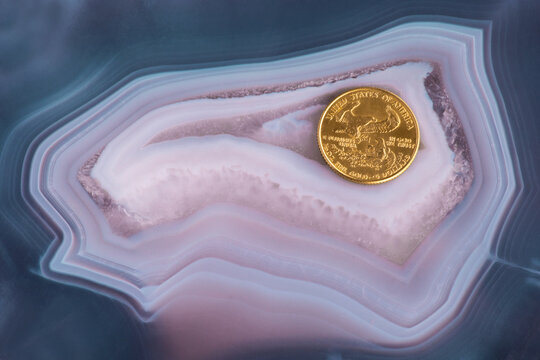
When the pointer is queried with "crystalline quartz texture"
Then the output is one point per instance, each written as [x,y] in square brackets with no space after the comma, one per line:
[213,177]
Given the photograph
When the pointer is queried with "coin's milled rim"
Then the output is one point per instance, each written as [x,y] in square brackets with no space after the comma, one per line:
[350,178]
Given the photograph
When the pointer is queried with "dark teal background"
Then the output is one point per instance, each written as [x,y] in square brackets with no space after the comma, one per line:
[57,58]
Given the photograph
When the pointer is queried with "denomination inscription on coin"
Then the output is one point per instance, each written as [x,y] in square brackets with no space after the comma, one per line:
[368,135]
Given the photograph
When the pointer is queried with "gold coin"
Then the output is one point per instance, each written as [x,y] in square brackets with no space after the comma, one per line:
[368,135]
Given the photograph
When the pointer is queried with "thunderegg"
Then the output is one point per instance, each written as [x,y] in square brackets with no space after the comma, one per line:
[184,227]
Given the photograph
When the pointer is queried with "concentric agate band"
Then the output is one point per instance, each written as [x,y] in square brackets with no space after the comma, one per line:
[183,190]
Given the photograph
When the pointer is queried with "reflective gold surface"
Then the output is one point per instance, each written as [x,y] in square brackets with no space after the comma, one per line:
[368,135]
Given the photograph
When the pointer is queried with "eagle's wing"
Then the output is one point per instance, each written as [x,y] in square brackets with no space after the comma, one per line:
[391,123]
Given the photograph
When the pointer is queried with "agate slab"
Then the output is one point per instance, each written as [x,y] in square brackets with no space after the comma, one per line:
[203,192]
